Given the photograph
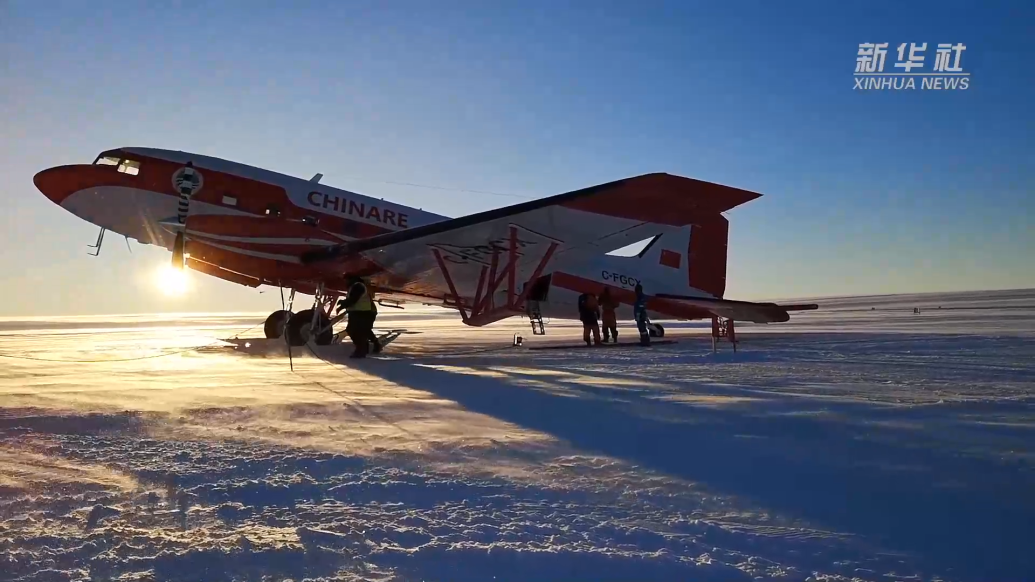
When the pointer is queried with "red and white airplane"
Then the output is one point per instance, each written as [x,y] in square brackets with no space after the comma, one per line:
[253,227]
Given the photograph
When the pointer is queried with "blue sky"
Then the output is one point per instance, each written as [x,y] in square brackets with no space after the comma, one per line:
[864,192]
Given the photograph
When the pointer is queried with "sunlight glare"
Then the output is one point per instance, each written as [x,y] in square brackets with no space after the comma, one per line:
[171,281]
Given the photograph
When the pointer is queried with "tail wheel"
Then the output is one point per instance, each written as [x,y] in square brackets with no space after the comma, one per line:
[299,329]
[275,324]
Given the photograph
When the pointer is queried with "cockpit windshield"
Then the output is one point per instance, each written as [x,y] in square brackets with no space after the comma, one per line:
[129,167]
[125,165]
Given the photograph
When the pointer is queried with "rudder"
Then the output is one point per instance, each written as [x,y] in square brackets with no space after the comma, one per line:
[707,255]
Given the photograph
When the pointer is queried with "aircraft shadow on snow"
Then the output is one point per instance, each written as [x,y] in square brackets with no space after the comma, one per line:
[957,515]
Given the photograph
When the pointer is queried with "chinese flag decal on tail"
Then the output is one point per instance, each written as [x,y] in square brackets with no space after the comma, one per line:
[670,258]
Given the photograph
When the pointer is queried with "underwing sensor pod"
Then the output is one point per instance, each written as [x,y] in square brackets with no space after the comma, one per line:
[254,227]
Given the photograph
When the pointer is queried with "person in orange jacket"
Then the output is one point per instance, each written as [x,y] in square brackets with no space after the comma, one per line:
[609,321]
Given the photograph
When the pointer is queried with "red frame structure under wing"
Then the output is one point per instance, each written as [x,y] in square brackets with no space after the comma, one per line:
[482,310]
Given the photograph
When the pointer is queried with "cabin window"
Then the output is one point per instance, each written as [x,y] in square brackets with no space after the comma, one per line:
[272,210]
[107,161]
[129,167]
[637,249]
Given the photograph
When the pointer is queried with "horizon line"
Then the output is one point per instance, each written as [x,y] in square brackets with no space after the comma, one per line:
[11,318]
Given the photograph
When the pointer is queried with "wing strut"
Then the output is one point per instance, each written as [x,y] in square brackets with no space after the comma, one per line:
[483,311]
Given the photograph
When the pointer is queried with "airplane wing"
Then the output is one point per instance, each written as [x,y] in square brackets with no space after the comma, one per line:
[740,310]
[487,259]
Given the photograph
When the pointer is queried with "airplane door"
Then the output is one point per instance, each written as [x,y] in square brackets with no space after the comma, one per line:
[540,290]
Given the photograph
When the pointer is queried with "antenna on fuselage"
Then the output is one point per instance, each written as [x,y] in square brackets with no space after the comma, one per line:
[97,245]
[316,179]
[100,240]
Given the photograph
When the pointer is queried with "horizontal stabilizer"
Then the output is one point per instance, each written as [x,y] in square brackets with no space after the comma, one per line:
[735,310]
[800,307]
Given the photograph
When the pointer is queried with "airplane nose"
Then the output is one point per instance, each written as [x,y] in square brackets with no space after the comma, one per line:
[60,182]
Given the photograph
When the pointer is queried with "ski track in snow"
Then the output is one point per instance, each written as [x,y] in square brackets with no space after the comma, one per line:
[849,444]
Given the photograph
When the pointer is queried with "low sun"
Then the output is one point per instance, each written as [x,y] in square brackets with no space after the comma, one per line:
[171,281]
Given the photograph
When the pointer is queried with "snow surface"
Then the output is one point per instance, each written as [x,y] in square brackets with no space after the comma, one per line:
[851,443]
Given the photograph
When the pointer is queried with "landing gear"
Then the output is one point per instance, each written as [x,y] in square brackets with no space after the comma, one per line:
[655,330]
[300,327]
[275,324]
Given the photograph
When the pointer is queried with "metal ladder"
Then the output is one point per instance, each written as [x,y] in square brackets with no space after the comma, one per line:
[536,318]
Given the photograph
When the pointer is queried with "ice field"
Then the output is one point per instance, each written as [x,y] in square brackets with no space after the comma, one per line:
[858,442]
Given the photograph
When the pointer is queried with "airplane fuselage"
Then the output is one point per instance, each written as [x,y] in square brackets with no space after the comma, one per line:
[250,226]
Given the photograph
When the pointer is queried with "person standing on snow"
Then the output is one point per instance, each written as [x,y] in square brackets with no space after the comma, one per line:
[609,321]
[589,313]
[640,314]
[360,306]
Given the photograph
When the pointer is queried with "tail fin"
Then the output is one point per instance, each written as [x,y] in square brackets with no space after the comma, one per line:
[695,254]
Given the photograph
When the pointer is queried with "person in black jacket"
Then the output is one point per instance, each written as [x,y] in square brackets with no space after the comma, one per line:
[589,314]
[359,304]
[640,314]
[609,321]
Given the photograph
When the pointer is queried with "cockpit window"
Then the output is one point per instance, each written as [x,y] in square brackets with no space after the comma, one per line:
[129,167]
[107,161]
